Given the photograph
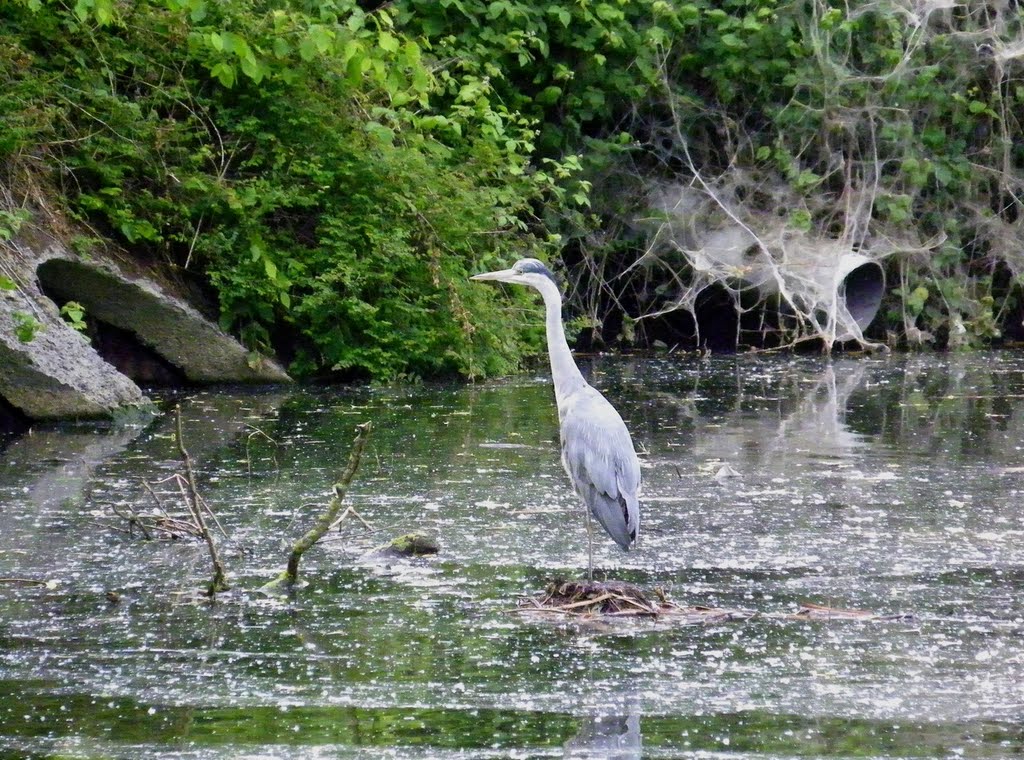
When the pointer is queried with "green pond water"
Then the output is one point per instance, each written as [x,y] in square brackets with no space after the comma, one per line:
[891,485]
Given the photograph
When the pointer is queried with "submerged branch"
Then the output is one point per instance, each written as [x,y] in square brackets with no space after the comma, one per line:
[330,515]
[134,520]
[24,581]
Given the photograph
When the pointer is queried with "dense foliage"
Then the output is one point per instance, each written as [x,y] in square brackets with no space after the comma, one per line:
[334,170]
[290,155]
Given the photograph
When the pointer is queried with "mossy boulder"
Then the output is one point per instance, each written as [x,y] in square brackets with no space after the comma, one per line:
[409,545]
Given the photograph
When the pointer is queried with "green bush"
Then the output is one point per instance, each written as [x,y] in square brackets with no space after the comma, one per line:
[290,155]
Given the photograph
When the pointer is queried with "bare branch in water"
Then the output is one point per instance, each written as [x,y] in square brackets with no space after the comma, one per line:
[330,517]
[195,505]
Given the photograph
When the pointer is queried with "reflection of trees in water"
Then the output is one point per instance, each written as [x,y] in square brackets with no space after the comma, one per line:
[852,432]
[58,470]
[758,410]
[818,422]
[955,406]
[51,470]
[762,420]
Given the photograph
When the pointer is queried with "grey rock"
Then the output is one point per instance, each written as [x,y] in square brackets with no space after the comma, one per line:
[57,374]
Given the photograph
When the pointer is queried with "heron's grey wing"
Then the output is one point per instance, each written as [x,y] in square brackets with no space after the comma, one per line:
[598,455]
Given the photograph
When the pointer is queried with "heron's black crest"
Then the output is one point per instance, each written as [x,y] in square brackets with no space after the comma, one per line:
[533,266]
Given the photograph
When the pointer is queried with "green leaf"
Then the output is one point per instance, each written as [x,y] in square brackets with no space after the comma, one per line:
[307,49]
[378,130]
[689,14]
[498,7]
[800,219]
[831,18]
[413,55]
[271,268]
[730,40]
[233,43]
[321,37]
[549,95]
[281,47]
[934,137]
[6,283]
[387,42]
[916,300]
[103,10]
[74,314]
[806,179]
[942,173]
[357,20]
[976,106]
[26,326]
[253,69]
[352,48]
[225,73]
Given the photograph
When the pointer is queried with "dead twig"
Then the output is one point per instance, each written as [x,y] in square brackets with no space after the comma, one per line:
[256,432]
[133,520]
[349,511]
[108,526]
[193,501]
[590,599]
[213,517]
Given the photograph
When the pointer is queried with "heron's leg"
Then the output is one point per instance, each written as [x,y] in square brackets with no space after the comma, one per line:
[590,544]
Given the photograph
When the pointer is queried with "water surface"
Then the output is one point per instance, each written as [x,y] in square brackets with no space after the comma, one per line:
[890,485]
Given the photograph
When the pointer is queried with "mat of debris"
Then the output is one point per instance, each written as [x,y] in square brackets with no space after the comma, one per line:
[618,599]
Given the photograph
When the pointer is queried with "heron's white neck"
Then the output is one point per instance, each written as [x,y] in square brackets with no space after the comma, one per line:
[565,374]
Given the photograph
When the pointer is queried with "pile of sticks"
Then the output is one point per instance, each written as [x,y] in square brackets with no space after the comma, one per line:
[615,599]
[620,599]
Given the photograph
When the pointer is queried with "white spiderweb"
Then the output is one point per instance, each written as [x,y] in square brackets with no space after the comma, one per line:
[718,235]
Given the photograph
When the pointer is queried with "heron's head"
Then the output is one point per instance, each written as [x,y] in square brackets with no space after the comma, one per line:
[523,272]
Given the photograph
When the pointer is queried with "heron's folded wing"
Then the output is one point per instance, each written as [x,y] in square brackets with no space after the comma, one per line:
[598,455]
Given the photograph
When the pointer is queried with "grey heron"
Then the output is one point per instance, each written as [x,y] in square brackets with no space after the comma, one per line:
[597,451]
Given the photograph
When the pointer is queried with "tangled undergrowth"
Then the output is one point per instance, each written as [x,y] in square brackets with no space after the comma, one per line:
[787,138]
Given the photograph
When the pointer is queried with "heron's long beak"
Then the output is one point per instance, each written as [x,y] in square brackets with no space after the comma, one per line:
[503,275]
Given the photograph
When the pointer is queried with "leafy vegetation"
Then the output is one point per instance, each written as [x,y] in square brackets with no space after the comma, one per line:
[73,314]
[292,158]
[26,326]
[334,170]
